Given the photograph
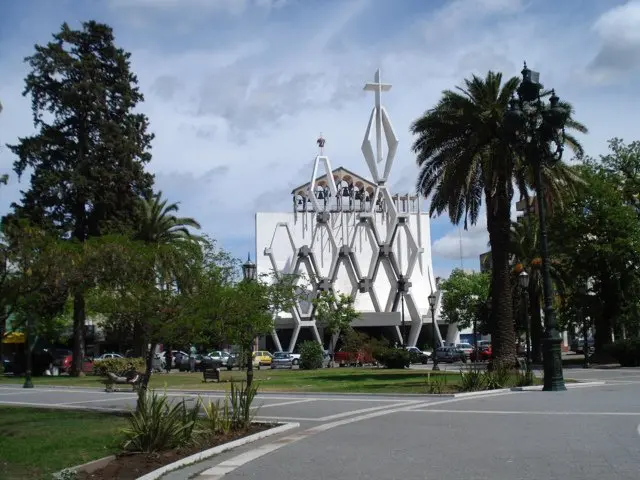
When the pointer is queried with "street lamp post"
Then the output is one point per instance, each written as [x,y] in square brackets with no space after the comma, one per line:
[523,279]
[432,304]
[538,135]
[582,293]
[404,331]
[475,327]
[249,275]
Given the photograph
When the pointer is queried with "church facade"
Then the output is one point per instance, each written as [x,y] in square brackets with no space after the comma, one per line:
[348,233]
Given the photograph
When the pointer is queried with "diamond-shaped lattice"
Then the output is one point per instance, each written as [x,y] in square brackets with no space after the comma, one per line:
[276,240]
[321,160]
[410,249]
[323,240]
[304,266]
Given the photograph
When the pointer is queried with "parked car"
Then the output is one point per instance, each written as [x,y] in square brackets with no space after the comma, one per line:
[450,355]
[261,358]
[295,358]
[282,360]
[484,354]
[344,358]
[466,348]
[417,355]
[219,356]
[577,346]
[185,366]
[64,364]
[105,356]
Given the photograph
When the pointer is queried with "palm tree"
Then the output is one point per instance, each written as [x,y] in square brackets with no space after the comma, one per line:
[159,225]
[524,248]
[464,153]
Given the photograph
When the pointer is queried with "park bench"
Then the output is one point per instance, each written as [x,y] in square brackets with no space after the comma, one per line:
[211,373]
[131,377]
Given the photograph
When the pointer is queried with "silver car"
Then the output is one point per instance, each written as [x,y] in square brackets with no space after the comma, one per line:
[282,360]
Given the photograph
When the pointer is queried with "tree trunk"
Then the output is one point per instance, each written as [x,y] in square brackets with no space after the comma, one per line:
[536,326]
[139,342]
[249,366]
[78,333]
[142,390]
[499,225]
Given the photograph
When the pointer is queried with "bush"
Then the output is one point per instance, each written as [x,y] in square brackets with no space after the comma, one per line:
[472,380]
[311,355]
[233,413]
[119,366]
[158,425]
[393,357]
[626,352]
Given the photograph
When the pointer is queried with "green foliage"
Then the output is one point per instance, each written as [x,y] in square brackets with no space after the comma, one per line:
[497,377]
[118,366]
[524,378]
[435,384]
[241,399]
[393,358]
[626,352]
[311,355]
[157,425]
[463,294]
[335,313]
[218,416]
[472,380]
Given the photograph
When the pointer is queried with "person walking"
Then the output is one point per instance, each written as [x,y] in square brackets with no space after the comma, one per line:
[192,358]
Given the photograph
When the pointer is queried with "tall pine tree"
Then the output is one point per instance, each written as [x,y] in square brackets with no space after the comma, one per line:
[87,158]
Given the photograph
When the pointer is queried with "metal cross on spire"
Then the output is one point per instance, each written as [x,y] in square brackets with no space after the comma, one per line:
[378,87]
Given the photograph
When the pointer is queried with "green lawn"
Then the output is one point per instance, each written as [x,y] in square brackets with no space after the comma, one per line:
[335,380]
[35,443]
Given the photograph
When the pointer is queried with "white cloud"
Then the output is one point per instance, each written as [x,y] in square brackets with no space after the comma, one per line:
[619,32]
[237,105]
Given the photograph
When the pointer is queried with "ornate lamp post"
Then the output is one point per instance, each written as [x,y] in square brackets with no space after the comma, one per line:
[537,132]
[432,304]
[523,280]
[476,312]
[249,275]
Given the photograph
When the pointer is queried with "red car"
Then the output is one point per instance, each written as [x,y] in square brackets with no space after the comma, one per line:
[485,354]
[353,358]
[65,364]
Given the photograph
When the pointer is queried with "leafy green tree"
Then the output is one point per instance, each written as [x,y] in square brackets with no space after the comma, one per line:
[462,294]
[336,313]
[597,238]
[87,158]
[622,164]
[464,153]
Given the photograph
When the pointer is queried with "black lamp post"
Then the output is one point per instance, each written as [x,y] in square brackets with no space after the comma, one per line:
[582,293]
[476,312]
[432,304]
[404,332]
[523,280]
[538,135]
[249,274]
[29,358]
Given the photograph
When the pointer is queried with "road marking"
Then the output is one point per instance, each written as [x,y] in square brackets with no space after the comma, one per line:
[524,412]
[58,405]
[287,419]
[26,390]
[281,404]
[365,410]
[130,397]
[219,471]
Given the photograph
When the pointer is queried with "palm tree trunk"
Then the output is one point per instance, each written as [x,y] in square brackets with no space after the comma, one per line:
[536,326]
[503,335]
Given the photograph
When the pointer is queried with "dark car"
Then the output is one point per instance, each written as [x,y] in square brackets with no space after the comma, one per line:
[418,356]
[450,355]
[577,345]
[184,364]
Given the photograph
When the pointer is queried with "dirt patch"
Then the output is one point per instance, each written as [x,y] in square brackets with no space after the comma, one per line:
[129,466]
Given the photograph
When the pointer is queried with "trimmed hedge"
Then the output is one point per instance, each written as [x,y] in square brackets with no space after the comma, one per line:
[393,357]
[119,366]
[311,355]
[626,352]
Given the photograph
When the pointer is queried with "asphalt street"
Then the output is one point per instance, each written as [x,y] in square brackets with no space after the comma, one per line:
[587,432]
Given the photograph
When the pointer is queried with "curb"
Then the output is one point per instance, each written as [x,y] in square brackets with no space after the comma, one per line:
[91,466]
[198,457]
[535,388]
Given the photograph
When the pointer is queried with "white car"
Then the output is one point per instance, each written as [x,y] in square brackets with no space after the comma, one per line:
[466,348]
[104,356]
[295,358]
[220,356]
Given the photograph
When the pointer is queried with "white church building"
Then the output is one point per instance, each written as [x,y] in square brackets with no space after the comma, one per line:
[346,232]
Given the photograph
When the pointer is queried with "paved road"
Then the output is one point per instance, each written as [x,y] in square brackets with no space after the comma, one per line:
[586,433]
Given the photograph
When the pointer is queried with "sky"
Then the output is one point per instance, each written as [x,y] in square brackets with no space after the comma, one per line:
[237,91]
